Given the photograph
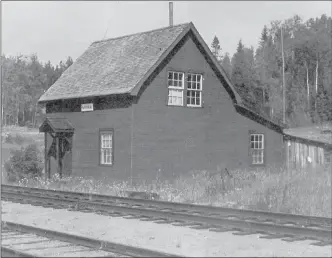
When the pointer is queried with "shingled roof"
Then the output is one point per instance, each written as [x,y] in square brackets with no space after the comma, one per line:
[121,65]
[113,66]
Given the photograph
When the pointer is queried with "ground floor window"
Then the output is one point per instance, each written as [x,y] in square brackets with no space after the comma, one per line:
[106,147]
[257,148]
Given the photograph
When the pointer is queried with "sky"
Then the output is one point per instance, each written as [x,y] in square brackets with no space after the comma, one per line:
[55,30]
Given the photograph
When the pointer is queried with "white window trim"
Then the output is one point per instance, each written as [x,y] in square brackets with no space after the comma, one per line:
[200,90]
[102,161]
[176,88]
[261,149]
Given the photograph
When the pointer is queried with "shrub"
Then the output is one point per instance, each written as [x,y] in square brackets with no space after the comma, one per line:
[24,163]
[8,138]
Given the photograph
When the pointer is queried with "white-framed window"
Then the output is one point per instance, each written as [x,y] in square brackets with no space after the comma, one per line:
[106,147]
[175,83]
[257,148]
[194,90]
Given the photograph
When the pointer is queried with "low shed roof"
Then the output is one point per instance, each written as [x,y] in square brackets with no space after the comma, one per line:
[321,134]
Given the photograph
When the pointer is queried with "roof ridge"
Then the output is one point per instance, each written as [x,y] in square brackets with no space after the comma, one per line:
[137,33]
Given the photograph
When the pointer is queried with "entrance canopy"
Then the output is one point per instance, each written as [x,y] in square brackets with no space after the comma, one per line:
[56,125]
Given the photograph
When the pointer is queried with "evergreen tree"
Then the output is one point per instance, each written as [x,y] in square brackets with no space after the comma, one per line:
[226,64]
[216,47]
[264,35]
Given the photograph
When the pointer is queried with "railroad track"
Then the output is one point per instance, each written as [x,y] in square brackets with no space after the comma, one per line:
[243,222]
[25,241]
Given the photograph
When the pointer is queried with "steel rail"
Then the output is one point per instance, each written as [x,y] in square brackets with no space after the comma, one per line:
[263,216]
[9,252]
[85,241]
[223,224]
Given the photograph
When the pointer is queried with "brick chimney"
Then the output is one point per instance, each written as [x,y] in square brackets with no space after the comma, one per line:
[170,14]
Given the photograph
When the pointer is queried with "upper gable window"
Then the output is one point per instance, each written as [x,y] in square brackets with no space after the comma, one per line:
[175,88]
[194,90]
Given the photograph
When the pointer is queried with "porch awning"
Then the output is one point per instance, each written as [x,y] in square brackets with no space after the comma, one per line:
[56,125]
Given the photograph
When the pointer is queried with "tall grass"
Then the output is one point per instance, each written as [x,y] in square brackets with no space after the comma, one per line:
[306,192]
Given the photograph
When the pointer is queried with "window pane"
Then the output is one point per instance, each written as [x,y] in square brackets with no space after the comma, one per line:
[175,97]
[197,101]
[106,147]
[198,86]
[189,85]
[170,75]
[252,137]
[194,77]
[180,76]
[189,77]
[175,76]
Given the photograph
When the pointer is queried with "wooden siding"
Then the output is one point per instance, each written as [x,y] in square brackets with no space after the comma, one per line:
[153,138]
[302,155]
[171,140]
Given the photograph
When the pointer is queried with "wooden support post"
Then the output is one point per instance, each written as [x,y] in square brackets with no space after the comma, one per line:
[288,147]
[45,157]
[57,145]
[49,167]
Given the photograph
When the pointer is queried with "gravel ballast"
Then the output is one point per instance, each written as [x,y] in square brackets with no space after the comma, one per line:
[160,237]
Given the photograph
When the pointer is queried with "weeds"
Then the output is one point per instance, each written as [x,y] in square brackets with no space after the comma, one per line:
[306,192]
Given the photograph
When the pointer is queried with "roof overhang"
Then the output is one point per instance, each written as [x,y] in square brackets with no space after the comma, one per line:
[56,125]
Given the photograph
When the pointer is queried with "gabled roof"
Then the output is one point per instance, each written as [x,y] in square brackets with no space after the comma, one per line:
[125,64]
[56,125]
[122,65]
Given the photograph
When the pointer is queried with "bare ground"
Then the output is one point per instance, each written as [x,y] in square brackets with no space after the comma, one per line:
[162,237]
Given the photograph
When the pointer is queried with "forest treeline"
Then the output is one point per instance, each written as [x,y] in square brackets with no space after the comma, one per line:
[24,80]
[256,74]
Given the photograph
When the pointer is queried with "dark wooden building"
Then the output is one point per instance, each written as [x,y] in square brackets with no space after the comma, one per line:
[152,103]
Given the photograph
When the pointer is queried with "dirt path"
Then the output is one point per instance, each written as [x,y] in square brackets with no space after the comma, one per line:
[162,237]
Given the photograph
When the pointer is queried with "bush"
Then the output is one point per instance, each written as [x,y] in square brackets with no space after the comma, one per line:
[24,163]
[8,138]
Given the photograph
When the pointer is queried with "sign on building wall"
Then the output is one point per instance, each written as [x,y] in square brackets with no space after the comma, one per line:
[87,107]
